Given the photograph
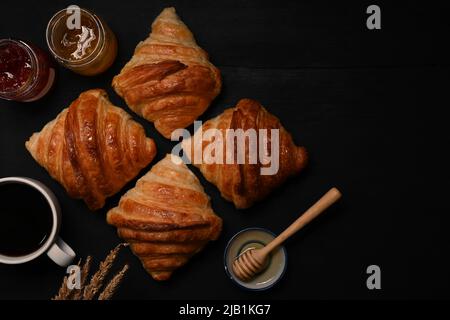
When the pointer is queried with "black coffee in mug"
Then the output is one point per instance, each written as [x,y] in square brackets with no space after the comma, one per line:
[26,219]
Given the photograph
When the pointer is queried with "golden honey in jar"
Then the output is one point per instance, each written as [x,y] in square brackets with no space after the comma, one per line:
[81,41]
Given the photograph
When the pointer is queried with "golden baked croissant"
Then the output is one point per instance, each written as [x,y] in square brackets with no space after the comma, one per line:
[169,80]
[167,218]
[243,183]
[92,148]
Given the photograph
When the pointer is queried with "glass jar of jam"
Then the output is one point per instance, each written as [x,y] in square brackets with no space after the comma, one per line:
[27,72]
[88,48]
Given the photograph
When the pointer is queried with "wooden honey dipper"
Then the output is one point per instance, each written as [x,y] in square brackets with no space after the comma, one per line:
[252,261]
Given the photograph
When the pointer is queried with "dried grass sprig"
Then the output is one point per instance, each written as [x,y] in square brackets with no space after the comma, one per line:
[84,276]
[63,292]
[112,286]
[88,291]
[97,279]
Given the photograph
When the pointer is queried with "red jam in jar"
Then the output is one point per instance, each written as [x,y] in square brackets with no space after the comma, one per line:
[26,72]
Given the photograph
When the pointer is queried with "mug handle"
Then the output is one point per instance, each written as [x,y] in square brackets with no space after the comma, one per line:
[61,253]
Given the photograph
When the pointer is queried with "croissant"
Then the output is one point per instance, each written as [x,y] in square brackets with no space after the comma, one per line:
[166,218]
[243,182]
[92,148]
[169,80]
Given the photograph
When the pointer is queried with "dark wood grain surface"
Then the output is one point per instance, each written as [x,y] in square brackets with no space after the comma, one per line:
[369,105]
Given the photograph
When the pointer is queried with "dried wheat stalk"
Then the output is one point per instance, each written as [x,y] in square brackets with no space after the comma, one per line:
[63,291]
[84,276]
[97,279]
[110,289]
[88,291]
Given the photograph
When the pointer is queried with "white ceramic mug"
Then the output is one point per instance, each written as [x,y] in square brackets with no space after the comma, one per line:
[54,246]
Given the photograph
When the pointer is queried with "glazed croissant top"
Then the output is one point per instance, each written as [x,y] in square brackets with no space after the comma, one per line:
[92,148]
[243,183]
[169,80]
[167,218]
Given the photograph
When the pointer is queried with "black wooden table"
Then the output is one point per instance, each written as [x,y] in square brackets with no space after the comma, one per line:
[369,105]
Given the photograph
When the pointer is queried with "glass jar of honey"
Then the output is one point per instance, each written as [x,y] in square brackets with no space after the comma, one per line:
[88,47]
[27,72]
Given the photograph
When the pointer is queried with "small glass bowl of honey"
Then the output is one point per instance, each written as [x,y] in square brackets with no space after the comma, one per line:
[255,238]
[81,41]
